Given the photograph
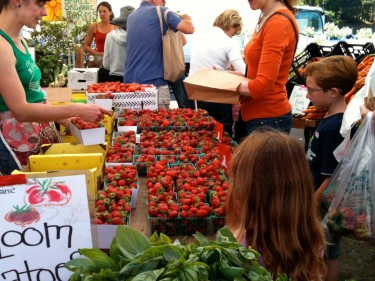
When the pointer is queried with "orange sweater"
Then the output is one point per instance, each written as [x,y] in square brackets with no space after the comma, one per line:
[269,55]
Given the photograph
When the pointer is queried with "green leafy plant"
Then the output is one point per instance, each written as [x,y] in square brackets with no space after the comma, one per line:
[55,45]
[133,256]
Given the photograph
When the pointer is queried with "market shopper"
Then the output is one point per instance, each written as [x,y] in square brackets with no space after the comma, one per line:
[327,83]
[215,49]
[25,118]
[115,46]
[97,33]
[268,56]
[144,62]
[271,206]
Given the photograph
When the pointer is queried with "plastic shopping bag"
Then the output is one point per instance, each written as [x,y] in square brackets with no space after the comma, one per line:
[351,192]
[352,114]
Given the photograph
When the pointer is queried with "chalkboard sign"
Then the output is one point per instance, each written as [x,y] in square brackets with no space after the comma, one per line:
[43,223]
[298,100]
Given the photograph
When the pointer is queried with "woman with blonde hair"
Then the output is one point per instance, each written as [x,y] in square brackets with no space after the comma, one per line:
[271,205]
[215,48]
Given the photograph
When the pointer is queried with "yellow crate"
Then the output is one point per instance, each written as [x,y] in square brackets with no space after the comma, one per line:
[68,156]
[93,184]
[108,139]
[109,123]
[69,139]
[56,103]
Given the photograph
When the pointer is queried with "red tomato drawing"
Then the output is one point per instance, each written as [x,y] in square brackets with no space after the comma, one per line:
[23,216]
[47,193]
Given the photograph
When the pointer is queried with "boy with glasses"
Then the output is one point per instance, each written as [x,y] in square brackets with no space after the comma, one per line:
[327,81]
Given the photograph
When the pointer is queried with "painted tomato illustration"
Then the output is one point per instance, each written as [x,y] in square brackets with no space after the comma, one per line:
[23,216]
[47,193]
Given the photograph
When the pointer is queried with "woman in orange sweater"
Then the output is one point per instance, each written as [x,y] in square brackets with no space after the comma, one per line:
[269,55]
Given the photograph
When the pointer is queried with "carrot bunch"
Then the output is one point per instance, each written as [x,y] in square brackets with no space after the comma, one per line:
[363,69]
[312,113]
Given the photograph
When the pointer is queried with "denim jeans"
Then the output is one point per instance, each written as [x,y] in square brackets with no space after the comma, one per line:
[180,94]
[7,162]
[282,123]
[222,113]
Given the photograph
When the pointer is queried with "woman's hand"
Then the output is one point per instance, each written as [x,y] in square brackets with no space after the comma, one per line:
[91,112]
[243,89]
[364,110]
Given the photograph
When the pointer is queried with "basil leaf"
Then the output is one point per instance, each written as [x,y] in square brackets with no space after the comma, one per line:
[148,275]
[99,258]
[172,253]
[130,241]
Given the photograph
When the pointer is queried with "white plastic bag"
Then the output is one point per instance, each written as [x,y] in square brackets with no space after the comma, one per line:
[352,113]
[352,187]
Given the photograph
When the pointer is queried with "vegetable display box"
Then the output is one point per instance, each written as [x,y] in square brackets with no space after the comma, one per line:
[168,226]
[131,100]
[80,78]
[65,156]
[87,133]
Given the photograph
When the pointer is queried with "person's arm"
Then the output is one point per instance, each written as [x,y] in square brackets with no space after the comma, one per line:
[107,52]
[364,110]
[321,189]
[186,25]
[88,40]
[13,93]
[183,39]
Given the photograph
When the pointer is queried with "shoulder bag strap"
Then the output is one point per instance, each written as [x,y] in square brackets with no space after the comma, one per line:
[294,28]
[160,19]
[293,25]
[165,17]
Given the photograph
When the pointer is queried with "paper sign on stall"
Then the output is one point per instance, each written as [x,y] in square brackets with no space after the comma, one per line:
[298,100]
[43,223]
[219,131]
[225,154]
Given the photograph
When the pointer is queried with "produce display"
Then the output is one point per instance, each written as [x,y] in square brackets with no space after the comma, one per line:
[177,154]
[115,87]
[84,125]
[133,256]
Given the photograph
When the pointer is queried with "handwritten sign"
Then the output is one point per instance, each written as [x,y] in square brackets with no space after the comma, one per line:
[298,100]
[43,224]
[80,10]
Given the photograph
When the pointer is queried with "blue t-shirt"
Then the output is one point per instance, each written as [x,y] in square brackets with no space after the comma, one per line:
[325,140]
[144,61]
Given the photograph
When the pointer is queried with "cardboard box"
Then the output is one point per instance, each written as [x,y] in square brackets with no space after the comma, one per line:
[80,78]
[59,95]
[214,86]
[88,136]
[92,180]
[132,100]
[105,103]
[106,233]
[67,156]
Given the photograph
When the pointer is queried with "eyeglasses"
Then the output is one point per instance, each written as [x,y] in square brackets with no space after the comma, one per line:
[312,91]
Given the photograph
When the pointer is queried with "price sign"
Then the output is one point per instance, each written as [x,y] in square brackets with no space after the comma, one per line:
[43,222]
[298,100]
